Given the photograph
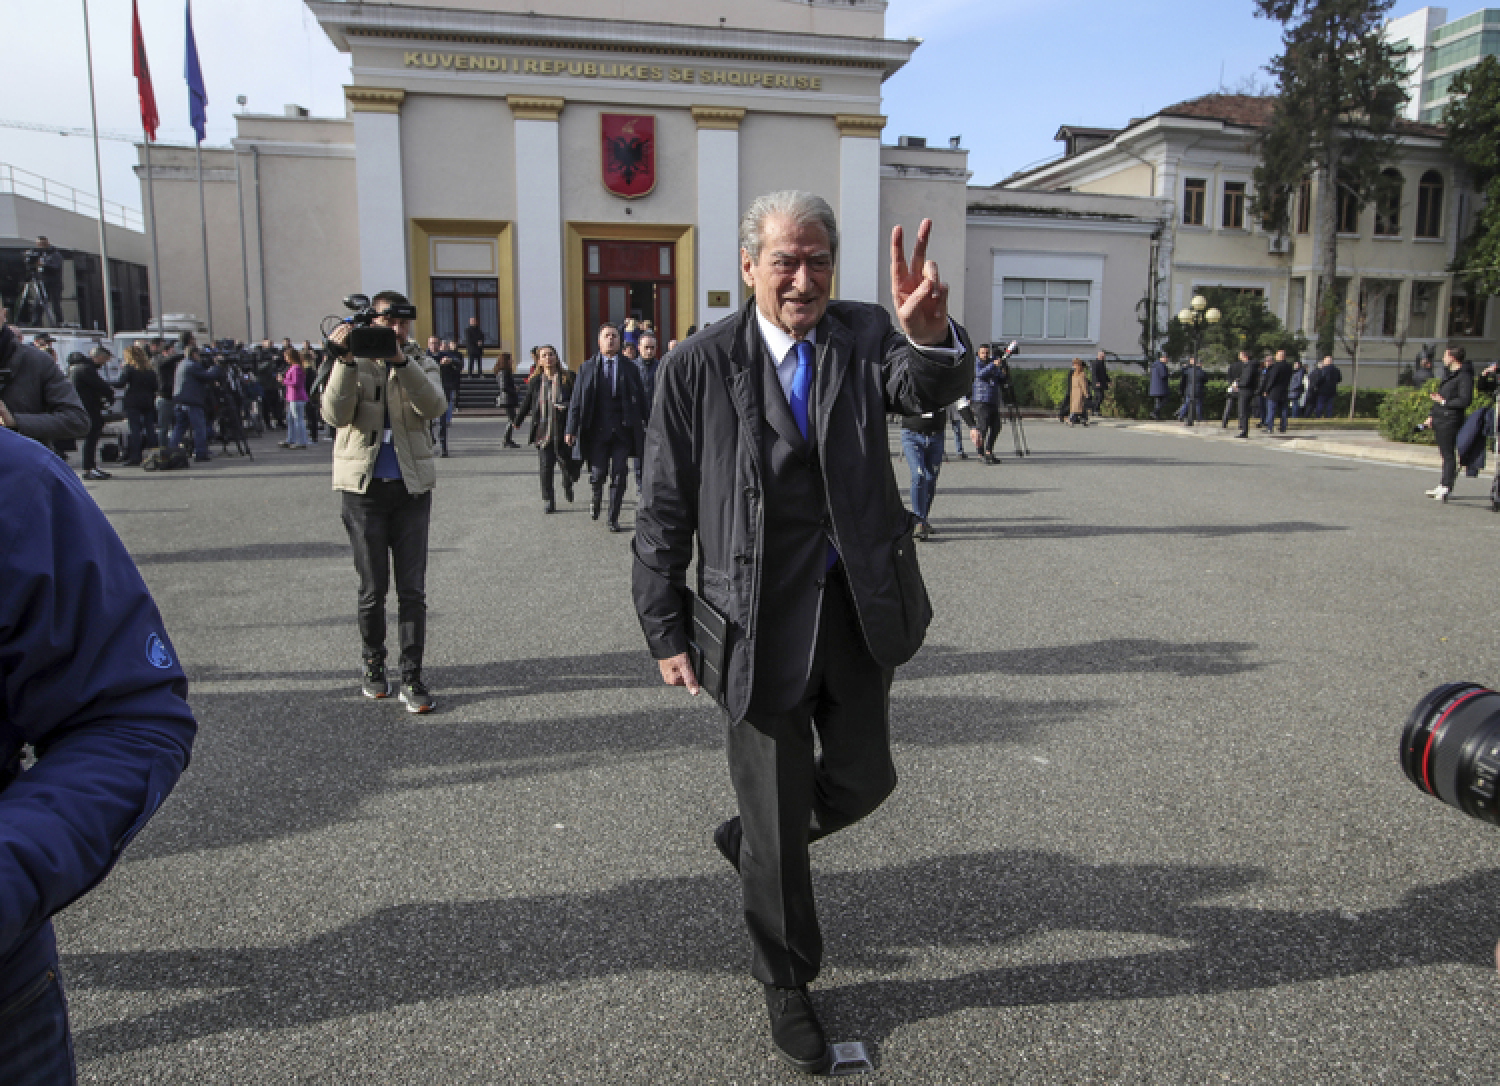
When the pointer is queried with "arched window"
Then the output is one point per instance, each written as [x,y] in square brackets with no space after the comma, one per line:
[1430,205]
[1388,204]
[1347,215]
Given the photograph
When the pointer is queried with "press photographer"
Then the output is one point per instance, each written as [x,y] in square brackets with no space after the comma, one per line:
[382,395]
[45,264]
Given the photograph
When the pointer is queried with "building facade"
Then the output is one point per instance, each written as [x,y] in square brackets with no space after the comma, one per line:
[1199,157]
[1439,51]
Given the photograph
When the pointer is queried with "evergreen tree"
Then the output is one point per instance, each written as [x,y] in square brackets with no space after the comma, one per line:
[1473,119]
[1339,97]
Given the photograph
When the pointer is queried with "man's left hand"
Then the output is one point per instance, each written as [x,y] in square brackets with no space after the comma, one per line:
[920,297]
[6,418]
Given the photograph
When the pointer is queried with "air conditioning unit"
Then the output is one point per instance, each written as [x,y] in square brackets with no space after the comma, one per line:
[1280,243]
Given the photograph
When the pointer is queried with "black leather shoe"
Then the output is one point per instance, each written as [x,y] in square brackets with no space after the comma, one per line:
[595,506]
[727,840]
[795,1029]
[549,507]
[614,526]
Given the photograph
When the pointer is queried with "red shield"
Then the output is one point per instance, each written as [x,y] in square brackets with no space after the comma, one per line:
[628,144]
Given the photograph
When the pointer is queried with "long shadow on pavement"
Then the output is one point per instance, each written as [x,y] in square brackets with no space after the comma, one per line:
[1141,655]
[883,919]
[967,528]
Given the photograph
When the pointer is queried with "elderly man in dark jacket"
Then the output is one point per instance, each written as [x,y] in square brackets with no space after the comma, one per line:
[768,444]
[36,399]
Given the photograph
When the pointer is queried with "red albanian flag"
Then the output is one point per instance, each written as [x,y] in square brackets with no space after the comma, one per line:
[629,152]
[149,119]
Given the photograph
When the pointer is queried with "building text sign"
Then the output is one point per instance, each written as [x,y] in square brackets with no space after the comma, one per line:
[595,69]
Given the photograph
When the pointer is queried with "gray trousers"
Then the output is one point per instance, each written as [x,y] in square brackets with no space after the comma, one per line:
[790,796]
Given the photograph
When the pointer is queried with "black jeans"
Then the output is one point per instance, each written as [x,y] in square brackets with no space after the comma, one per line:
[142,433]
[384,524]
[988,417]
[1446,432]
[792,793]
[549,459]
[91,442]
[476,362]
[612,455]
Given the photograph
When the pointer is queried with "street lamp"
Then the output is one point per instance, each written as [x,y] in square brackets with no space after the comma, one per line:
[1196,317]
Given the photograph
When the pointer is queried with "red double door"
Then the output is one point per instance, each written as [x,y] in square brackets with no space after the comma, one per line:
[624,279]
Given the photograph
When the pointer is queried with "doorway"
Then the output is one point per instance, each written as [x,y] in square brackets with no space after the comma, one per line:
[623,279]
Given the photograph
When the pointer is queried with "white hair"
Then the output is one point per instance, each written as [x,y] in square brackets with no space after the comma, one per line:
[801,208]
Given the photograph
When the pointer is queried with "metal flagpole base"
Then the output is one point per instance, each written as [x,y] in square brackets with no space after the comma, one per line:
[849,1058]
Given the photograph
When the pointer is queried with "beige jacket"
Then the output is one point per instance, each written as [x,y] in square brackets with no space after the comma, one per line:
[355,401]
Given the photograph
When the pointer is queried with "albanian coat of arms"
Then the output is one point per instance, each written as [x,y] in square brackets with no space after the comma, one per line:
[628,143]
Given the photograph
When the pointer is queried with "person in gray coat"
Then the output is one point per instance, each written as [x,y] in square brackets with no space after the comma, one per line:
[1161,383]
[36,399]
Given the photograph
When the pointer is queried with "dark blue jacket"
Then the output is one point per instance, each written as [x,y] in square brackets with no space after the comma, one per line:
[647,370]
[1161,377]
[90,680]
[986,382]
[192,380]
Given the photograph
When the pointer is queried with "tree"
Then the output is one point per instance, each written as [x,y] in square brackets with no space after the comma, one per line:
[1473,119]
[1339,98]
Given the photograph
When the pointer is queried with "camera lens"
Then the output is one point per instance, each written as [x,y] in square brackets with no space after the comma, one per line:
[1450,748]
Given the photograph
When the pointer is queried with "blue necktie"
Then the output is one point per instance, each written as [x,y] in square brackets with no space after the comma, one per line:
[801,383]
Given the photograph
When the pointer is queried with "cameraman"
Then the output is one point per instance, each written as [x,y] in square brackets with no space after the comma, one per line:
[190,398]
[48,263]
[383,465]
[35,398]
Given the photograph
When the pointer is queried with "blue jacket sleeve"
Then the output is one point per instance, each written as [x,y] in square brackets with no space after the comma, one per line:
[89,679]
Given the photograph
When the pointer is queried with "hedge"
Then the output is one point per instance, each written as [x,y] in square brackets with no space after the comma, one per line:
[1405,408]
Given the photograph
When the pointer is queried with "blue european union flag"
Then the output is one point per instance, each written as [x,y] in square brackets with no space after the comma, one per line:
[196,91]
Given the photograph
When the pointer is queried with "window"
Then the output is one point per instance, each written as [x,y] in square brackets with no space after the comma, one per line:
[1194,195]
[1380,305]
[1466,315]
[1234,205]
[1430,205]
[1046,308]
[1348,206]
[1296,305]
[1304,207]
[1424,308]
[1388,205]
[454,301]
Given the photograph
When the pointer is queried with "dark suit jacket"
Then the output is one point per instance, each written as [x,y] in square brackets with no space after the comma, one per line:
[585,411]
[722,448]
[1275,381]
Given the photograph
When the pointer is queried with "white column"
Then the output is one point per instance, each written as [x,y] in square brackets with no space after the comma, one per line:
[718,211]
[539,244]
[859,207]
[377,178]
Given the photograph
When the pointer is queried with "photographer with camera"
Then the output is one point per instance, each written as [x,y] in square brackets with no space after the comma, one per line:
[382,396]
[190,398]
[36,400]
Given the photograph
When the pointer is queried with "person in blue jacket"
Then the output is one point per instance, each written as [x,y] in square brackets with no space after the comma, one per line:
[985,399]
[90,682]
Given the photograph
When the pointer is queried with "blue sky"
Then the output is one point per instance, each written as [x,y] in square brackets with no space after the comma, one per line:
[1003,74]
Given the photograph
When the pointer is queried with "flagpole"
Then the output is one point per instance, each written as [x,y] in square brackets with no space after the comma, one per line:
[161,302]
[203,218]
[109,309]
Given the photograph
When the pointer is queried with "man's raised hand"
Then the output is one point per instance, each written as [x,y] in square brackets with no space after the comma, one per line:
[920,297]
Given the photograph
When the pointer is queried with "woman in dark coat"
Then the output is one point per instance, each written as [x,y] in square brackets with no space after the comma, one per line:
[1449,405]
[548,393]
[138,380]
[505,374]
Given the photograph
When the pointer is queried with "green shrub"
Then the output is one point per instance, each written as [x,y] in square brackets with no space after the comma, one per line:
[1040,388]
[1127,396]
[1403,409]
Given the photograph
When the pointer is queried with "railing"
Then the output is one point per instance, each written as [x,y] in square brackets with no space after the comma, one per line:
[16,182]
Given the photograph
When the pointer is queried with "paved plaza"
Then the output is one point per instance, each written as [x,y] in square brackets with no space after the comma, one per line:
[1150,827]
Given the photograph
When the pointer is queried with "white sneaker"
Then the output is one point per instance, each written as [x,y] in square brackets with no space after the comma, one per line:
[1436,491]
[1440,493]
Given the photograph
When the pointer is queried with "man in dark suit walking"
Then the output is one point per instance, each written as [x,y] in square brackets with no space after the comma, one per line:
[768,444]
[607,421]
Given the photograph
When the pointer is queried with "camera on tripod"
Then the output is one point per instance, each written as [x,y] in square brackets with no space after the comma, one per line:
[366,338]
[33,259]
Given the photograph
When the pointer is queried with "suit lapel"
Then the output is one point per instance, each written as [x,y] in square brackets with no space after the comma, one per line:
[744,379]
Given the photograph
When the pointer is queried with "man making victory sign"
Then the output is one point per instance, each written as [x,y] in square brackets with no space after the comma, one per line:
[768,444]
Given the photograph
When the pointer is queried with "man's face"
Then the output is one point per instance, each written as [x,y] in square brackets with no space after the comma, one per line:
[648,347]
[794,275]
[473,320]
[400,327]
[984,354]
[100,357]
[1328,361]
[1281,356]
[1099,357]
[1449,361]
[609,340]
[433,344]
[43,243]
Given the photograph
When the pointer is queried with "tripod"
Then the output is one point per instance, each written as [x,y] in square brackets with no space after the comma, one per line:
[34,306]
[1013,416]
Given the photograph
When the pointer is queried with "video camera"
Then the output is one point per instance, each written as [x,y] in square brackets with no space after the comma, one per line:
[366,338]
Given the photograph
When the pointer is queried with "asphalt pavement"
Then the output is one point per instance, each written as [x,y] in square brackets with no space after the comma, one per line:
[1150,826]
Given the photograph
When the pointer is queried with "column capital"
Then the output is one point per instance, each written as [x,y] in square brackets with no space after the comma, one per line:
[374,99]
[721,117]
[530,108]
[860,125]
